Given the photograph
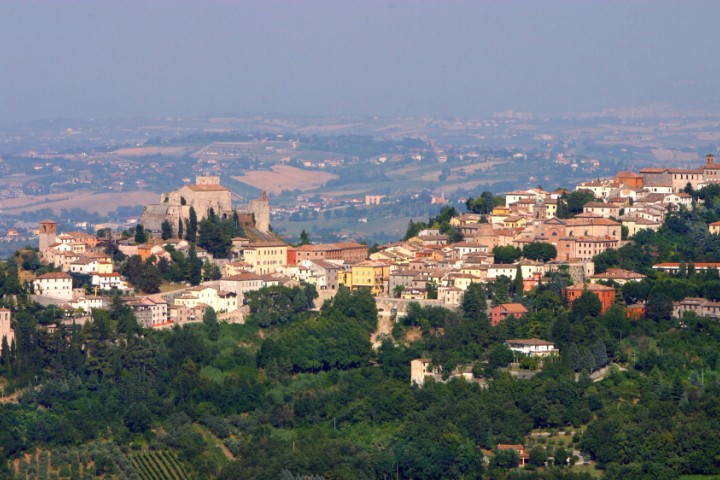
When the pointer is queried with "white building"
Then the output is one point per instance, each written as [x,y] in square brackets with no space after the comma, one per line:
[109,281]
[213,297]
[532,347]
[54,285]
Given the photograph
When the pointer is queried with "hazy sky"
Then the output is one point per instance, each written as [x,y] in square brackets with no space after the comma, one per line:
[100,58]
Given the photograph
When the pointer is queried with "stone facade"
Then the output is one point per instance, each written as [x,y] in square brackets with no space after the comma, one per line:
[204,194]
[6,330]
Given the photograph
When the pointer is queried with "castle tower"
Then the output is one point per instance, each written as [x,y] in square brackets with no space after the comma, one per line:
[207,180]
[710,159]
[260,208]
[5,326]
[47,233]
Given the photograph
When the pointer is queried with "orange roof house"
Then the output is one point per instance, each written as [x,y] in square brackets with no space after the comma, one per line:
[604,293]
[504,310]
[520,449]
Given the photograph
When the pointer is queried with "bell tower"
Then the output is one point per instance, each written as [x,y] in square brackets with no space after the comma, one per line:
[47,233]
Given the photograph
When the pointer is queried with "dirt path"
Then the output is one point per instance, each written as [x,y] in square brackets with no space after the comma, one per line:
[385,326]
[228,454]
[13,397]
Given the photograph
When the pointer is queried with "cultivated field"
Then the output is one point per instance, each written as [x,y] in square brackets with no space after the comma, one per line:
[102,203]
[145,151]
[284,177]
[468,169]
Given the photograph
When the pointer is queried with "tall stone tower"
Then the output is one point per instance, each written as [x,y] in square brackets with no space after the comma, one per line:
[5,326]
[260,208]
[47,234]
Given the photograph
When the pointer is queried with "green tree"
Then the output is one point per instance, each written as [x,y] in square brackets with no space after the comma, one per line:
[166,229]
[150,279]
[211,322]
[211,271]
[140,234]
[506,254]
[509,458]
[539,251]
[474,302]
[560,457]
[484,204]
[574,203]
[500,356]
[659,307]
[194,267]
[599,351]
[537,456]
[191,235]
[304,238]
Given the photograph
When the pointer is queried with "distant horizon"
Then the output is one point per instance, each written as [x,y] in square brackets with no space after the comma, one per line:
[638,111]
[465,59]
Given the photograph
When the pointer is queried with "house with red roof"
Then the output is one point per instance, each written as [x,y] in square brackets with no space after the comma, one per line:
[504,310]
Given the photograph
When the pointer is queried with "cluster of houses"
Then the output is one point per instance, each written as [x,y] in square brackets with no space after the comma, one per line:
[427,266]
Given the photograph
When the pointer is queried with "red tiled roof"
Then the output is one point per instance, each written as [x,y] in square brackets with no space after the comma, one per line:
[54,275]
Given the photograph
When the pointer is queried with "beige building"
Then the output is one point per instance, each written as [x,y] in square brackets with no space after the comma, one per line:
[266,257]
[54,285]
[180,314]
[349,252]
[635,223]
[702,307]
[87,303]
[242,283]
[618,275]
[714,228]
[149,311]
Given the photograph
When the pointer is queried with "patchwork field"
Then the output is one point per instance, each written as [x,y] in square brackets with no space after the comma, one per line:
[468,169]
[102,203]
[145,151]
[284,177]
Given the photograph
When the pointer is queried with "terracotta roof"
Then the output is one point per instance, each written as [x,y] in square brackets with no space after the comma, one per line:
[618,273]
[267,244]
[591,287]
[529,341]
[600,205]
[54,275]
[513,308]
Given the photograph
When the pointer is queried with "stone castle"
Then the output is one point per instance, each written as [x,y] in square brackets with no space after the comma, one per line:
[204,194]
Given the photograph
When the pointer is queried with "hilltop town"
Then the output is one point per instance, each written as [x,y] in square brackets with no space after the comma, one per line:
[533,291]
[434,264]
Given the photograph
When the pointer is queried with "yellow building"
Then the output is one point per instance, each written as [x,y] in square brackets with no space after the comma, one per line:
[501,210]
[515,222]
[714,228]
[369,274]
[266,257]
